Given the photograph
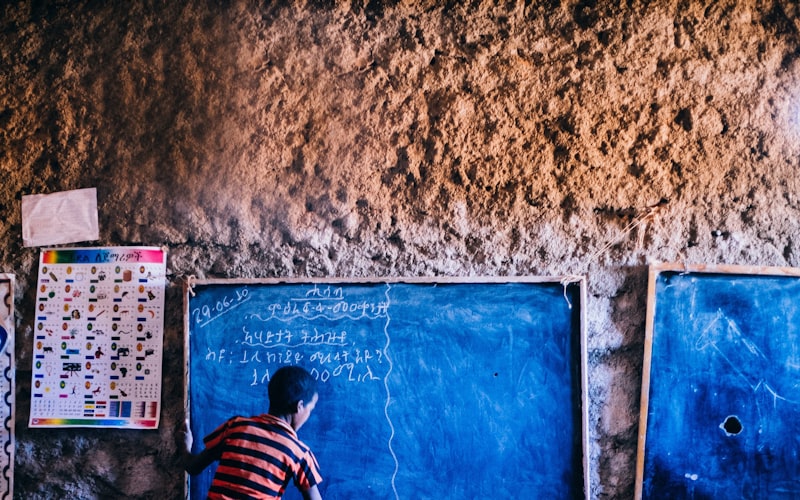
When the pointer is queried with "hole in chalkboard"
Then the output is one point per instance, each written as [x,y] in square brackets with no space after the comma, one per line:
[732,425]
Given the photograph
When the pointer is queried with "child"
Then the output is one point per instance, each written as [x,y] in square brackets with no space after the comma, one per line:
[258,456]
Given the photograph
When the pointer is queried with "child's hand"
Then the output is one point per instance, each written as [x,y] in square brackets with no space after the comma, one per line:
[188,439]
[183,438]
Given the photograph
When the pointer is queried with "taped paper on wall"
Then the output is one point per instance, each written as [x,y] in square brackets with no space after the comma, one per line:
[65,217]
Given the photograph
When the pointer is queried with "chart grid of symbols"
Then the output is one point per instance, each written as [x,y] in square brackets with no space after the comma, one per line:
[98,338]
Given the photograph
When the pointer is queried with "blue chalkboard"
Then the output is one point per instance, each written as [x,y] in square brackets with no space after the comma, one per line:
[427,389]
[721,385]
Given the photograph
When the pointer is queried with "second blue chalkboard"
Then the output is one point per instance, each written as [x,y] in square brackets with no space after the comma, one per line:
[720,387]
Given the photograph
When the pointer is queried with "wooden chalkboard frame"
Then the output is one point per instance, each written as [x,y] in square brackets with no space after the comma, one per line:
[649,368]
[565,281]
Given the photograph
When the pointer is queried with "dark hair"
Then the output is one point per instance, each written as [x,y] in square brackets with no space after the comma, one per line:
[288,386]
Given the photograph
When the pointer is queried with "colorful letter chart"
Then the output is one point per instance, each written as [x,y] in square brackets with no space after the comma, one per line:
[7,385]
[98,338]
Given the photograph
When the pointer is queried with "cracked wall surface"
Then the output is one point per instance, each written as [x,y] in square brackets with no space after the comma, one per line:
[404,138]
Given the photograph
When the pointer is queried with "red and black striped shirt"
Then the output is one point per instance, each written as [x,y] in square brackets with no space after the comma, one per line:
[258,456]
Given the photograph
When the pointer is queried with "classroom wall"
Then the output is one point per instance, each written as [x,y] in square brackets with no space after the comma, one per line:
[414,138]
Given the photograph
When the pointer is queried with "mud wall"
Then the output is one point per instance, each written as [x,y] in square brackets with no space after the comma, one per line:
[413,138]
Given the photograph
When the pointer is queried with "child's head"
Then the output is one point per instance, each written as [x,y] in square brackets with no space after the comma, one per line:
[288,386]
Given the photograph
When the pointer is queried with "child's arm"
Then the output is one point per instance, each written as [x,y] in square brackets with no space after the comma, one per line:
[193,464]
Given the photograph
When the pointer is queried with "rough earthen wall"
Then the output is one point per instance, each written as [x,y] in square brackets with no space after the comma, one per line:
[412,138]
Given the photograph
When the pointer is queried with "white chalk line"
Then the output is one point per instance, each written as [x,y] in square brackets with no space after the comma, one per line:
[388,395]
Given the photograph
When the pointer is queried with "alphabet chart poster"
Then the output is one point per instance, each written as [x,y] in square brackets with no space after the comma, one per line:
[98,338]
